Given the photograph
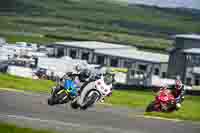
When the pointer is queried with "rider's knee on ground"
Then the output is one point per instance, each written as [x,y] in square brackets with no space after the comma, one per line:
[182,99]
[178,106]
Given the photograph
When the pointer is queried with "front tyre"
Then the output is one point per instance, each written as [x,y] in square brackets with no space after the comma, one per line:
[90,100]
[150,107]
[50,101]
[58,96]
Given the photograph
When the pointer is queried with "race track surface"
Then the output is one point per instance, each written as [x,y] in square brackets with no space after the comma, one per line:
[31,110]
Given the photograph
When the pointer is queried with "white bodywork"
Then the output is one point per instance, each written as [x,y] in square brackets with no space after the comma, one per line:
[103,88]
[98,86]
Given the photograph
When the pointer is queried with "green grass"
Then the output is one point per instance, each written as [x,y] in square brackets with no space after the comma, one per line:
[8,81]
[12,38]
[10,128]
[97,20]
[140,99]
[189,111]
[131,98]
[73,30]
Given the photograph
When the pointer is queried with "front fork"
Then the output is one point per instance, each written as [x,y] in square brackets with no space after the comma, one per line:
[102,99]
[53,89]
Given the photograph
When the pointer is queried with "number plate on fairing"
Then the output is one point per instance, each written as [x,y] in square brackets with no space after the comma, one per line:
[102,87]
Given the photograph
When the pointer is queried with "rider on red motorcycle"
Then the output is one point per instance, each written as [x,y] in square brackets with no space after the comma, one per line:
[178,92]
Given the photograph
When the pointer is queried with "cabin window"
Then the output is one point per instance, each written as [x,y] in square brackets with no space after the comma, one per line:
[85,56]
[60,52]
[164,74]
[156,71]
[197,81]
[196,60]
[142,67]
[189,81]
[73,53]
[114,62]
[127,64]
[133,72]
[100,60]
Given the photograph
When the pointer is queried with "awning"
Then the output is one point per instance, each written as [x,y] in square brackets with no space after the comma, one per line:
[196,70]
[192,51]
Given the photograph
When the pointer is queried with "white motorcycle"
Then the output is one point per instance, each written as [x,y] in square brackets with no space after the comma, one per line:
[94,92]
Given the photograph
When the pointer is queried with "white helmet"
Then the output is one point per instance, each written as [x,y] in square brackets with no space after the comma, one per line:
[178,84]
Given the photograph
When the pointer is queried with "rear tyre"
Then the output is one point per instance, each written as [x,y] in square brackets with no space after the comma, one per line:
[74,105]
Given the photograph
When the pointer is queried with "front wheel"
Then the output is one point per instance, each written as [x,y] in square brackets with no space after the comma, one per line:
[151,107]
[89,100]
[50,101]
[58,96]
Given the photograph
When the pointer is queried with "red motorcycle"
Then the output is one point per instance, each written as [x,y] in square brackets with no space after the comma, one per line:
[164,102]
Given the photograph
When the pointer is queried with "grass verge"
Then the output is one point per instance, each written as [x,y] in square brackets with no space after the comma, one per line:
[132,99]
[9,128]
[189,111]
[12,38]
[41,86]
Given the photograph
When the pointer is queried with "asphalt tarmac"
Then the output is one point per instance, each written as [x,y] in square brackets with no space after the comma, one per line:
[32,110]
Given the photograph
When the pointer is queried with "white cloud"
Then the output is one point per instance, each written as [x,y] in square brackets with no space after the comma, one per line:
[170,3]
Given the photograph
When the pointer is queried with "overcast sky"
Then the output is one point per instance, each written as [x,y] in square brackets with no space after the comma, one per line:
[170,3]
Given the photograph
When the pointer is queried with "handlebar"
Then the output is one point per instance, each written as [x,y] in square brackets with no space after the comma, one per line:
[95,77]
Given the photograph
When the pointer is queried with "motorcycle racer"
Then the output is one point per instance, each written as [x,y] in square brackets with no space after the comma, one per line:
[178,91]
[89,83]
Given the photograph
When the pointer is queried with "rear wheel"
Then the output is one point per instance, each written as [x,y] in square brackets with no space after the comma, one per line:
[74,105]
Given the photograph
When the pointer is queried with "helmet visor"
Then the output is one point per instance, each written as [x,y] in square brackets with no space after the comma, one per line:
[108,78]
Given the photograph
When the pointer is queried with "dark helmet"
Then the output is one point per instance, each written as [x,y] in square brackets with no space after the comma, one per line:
[108,76]
[84,74]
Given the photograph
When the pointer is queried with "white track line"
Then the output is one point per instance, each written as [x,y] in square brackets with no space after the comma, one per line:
[158,118]
[61,123]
